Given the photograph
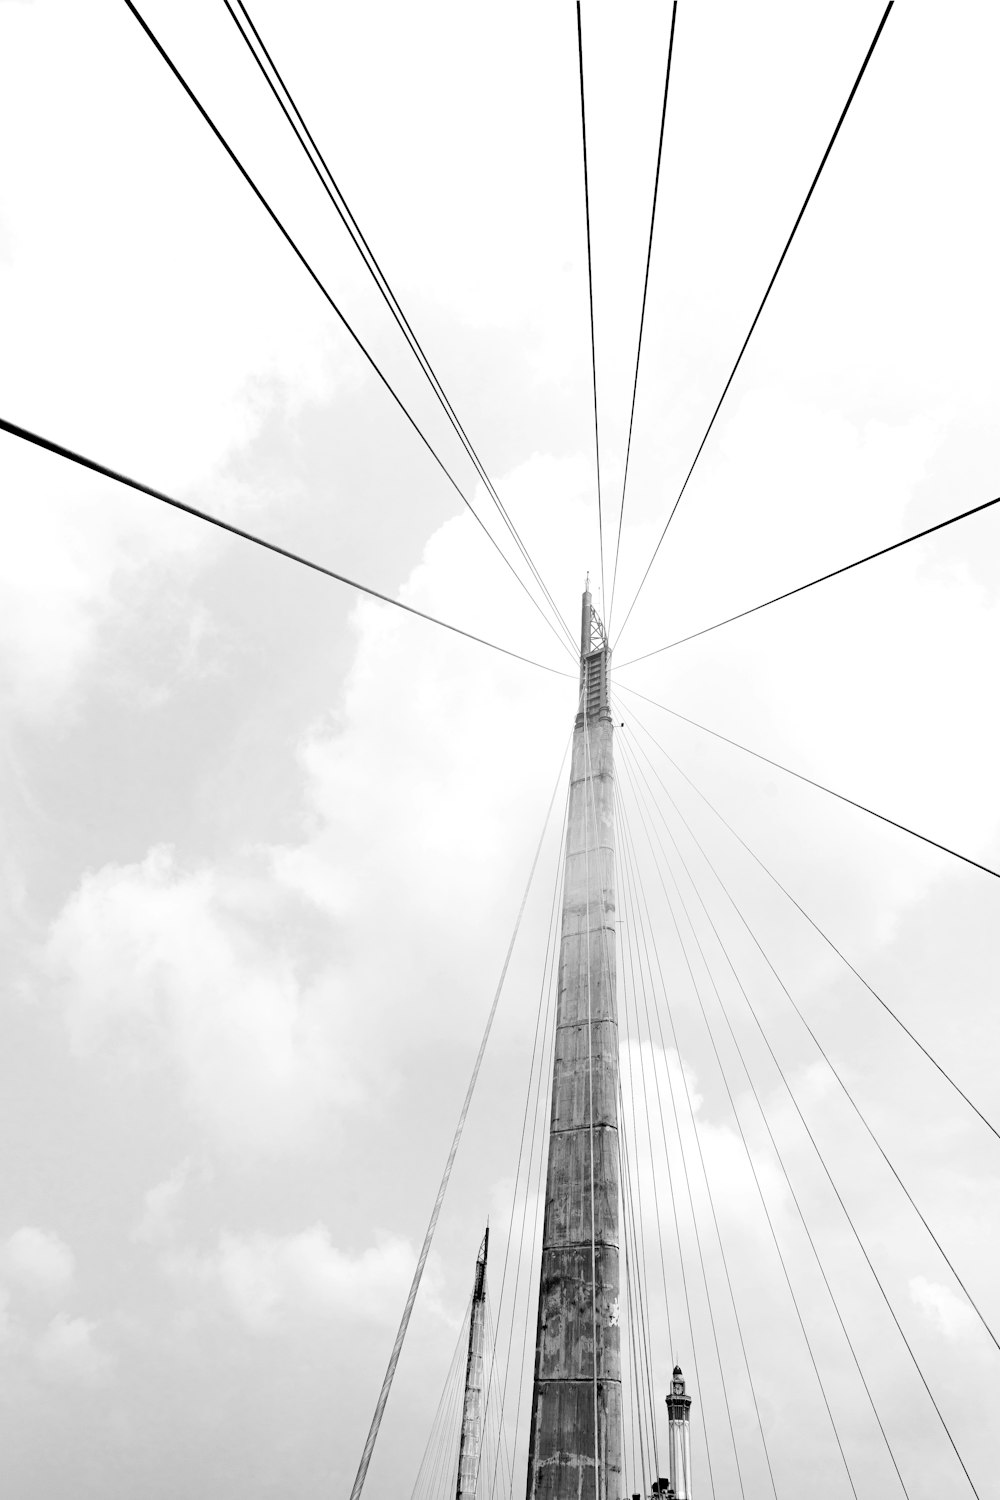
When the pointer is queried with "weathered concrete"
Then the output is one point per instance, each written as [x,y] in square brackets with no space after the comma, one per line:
[579,1286]
[471,1441]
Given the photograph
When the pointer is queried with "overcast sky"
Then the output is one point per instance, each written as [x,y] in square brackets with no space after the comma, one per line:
[264,842]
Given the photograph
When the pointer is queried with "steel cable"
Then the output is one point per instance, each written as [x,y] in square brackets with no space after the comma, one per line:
[791,1094]
[331,301]
[636,1219]
[676,1220]
[537,1232]
[51,446]
[915,536]
[647,935]
[718,1232]
[328,182]
[535,1082]
[638,1258]
[630,902]
[590,287]
[753,1088]
[642,314]
[840,796]
[383,1397]
[760,309]
[817,928]
[846,1091]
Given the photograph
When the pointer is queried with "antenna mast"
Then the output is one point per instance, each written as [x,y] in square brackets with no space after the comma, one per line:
[471,1440]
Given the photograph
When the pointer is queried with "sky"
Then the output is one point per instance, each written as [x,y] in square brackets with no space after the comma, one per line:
[265,840]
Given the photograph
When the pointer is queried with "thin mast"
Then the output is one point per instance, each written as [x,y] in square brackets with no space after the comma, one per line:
[470,1442]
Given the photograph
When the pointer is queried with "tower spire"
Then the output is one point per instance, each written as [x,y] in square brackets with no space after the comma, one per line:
[470,1443]
[575,1441]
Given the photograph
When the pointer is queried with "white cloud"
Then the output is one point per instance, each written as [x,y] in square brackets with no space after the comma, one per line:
[156,961]
[426,750]
[948,1312]
[76,549]
[735,1186]
[37,1260]
[67,1351]
[161,1205]
[76,544]
[869,649]
[157,964]
[660,1075]
[269,1279]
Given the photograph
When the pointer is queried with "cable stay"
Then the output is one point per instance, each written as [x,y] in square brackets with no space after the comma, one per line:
[631,940]
[536,1095]
[799,776]
[527,1245]
[636,1034]
[632,879]
[753,1089]
[533,1184]
[639,1278]
[440,1474]
[637,1298]
[791,1094]
[283,96]
[635,1031]
[333,304]
[847,1094]
[635,1249]
[642,314]
[628,931]
[383,1397]
[643,1407]
[642,921]
[49,445]
[590,288]
[905,541]
[495,1434]
[760,309]
[635,933]
[637,1287]
[645,1462]
[431,1474]
[631,927]
[817,928]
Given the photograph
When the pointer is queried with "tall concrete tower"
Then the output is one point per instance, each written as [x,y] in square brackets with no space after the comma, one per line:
[679,1413]
[575,1443]
[471,1441]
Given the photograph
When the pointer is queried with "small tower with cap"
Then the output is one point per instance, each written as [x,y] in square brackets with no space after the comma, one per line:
[679,1413]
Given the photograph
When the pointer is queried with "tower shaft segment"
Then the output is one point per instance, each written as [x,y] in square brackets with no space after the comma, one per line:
[471,1441]
[576,1425]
